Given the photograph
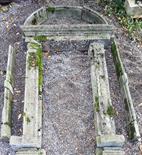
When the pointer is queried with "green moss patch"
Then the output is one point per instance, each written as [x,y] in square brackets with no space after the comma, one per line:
[34,45]
[51,9]
[40,38]
[8,124]
[34,21]
[115,55]
[40,67]
[26,118]
[126,105]
[35,60]
[131,131]
[111,111]
[97,105]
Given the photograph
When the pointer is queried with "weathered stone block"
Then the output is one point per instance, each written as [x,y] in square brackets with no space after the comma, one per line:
[113,152]
[110,151]
[8,94]
[31,152]
[110,141]
[104,121]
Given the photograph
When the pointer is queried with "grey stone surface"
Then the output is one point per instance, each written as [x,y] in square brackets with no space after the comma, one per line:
[31,124]
[69,32]
[97,27]
[104,120]
[110,151]
[113,152]
[32,121]
[8,94]
[31,152]
[101,94]
[110,141]
[18,142]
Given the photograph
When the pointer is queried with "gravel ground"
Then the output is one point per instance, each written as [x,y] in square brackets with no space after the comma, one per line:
[19,89]
[68,120]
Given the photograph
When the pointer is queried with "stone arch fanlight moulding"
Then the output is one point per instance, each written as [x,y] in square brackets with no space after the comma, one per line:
[96,27]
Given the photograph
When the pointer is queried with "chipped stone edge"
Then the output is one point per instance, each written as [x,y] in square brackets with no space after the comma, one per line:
[124,84]
[8,94]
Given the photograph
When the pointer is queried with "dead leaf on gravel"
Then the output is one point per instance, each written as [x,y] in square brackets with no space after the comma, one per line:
[1,72]
[4,19]
[17,91]
[49,56]
[140,105]
[4,9]
[19,116]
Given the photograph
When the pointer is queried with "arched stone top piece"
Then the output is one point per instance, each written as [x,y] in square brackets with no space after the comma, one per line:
[90,24]
[82,13]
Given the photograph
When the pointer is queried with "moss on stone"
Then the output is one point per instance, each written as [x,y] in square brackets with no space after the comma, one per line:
[97,105]
[40,38]
[40,65]
[34,21]
[126,105]
[8,124]
[118,66]
[103,77]
[37,60]
[51,9]
[131,131]
[111,111]
[34,45]
[28,120]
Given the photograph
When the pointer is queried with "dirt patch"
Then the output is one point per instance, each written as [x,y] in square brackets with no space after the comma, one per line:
[18,102]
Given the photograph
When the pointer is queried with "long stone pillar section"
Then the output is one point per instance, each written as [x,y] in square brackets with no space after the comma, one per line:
[32,105]
[106,138]
[8,94]
[32,117]
[100,85]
